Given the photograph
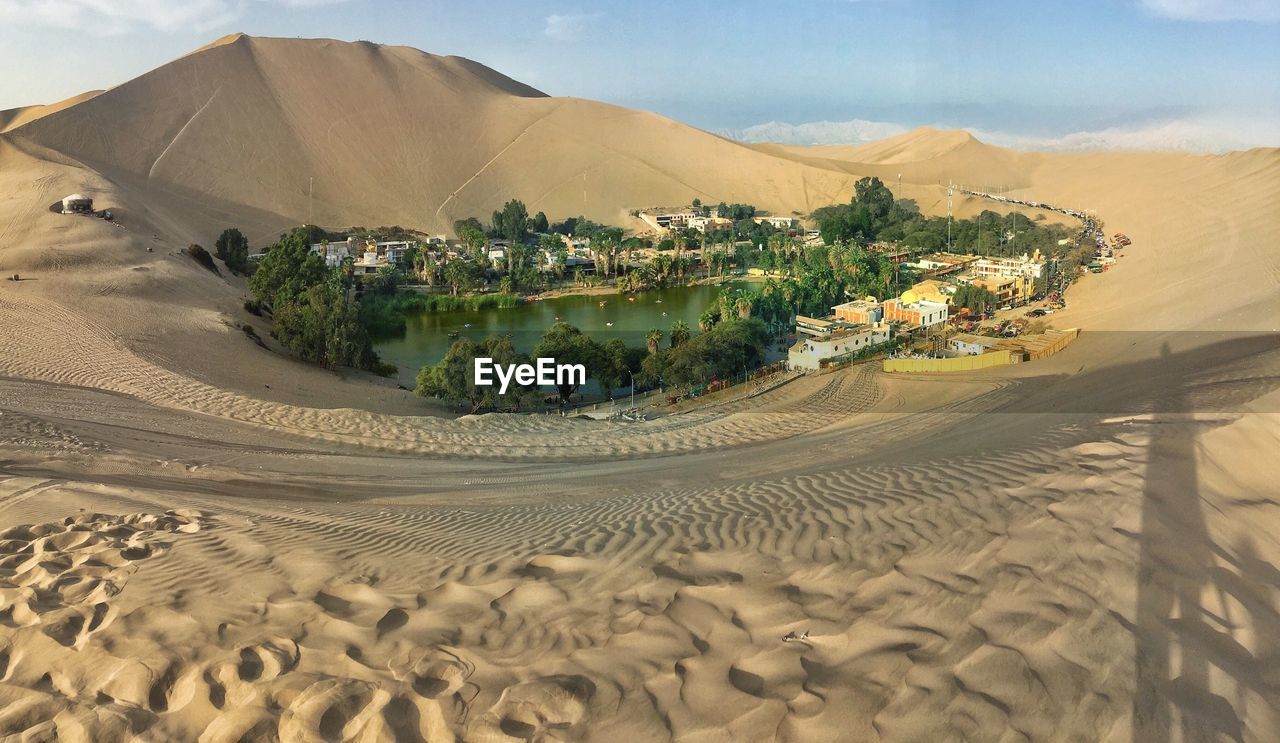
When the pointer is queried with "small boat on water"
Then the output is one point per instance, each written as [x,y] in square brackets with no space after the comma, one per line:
[608,325]
[664,314]
[603,302]
[453,334]
[466,325]
[631,299]
[659,301]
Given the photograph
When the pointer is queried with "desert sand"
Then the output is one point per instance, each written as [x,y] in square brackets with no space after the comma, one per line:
[201,539]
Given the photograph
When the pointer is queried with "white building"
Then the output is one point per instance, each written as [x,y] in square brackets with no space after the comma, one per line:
[668,221]
[77,204]
[391,251]
[782,223]
[369,263]
[1024,266]
[809,353]
[965,344]
[334,253]
[396,251]
[915,312]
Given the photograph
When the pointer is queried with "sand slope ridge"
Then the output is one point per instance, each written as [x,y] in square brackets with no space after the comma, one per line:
[391,135]
[16,117]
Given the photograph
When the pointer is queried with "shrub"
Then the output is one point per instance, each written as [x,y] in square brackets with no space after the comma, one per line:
[201,256]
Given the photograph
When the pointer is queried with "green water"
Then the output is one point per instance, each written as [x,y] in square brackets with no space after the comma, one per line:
[426,337]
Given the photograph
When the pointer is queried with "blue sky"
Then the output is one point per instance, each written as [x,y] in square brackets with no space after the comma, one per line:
[1012,68]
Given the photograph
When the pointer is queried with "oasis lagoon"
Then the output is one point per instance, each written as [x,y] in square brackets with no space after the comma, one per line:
[428,335]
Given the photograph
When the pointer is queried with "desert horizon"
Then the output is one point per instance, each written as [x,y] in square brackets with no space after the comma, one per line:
[913,438]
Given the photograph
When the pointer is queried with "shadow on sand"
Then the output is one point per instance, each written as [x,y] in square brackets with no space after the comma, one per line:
[1206,626]
[1179,640]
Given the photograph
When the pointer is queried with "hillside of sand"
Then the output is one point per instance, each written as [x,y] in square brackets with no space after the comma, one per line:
[202,540]
[286,131]
[15,117]
[922,156]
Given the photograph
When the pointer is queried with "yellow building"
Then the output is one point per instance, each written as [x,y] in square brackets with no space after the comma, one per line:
[1012,289]
[932,291]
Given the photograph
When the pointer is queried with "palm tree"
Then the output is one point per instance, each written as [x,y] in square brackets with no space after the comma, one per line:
[679,333]
[790,296]
[653,338]
[628,245]
[725,305]
[707,319]
[743,306]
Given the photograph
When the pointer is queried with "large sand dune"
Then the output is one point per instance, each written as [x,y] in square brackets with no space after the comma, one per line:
[349,134]
[202,540]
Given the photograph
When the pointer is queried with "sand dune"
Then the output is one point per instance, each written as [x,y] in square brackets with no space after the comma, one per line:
[202,540]
[395,135]
[16,117]
[923,156]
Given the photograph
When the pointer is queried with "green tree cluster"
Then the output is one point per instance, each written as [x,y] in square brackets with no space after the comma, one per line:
[728,349]
[873,214]
[232,248]
[312,310]
[453,378]
[512,223]
[611,365]
[976,299]
[735,212]
[569,345]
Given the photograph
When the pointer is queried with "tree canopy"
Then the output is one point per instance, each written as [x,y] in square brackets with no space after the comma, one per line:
[875,215]
[569,345]
[512,222]
[232,248]
[312,312]
[453,378]
[727,349]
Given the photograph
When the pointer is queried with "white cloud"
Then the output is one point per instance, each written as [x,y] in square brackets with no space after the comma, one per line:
[567,27]
[108,17]
[856,131]
[1204,134]
[1261,11]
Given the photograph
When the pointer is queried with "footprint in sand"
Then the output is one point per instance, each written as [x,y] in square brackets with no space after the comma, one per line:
[436,674]
[533,710]
[351,710]
[268,660]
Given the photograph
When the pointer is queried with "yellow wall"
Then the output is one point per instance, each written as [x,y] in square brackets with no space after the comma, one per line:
[1058,345]
[960,363]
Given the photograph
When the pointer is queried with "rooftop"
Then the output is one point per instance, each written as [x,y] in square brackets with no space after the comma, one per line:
[978,340]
